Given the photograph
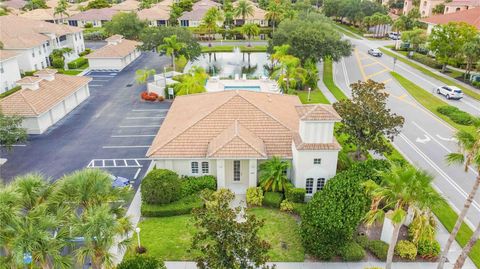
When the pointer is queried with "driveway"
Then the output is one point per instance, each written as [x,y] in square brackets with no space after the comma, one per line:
[112,129]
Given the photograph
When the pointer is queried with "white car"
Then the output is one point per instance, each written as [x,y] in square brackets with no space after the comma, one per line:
[450,92]
[394,36]
[375,52]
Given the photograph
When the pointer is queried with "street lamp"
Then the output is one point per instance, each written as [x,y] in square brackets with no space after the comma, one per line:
[137,230]
[308,98]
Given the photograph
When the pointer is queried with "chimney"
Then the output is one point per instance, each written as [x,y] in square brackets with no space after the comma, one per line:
[114,40]
[31,83]
[46,74]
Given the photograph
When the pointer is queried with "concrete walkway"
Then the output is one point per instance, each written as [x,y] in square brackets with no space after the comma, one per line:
[322,86]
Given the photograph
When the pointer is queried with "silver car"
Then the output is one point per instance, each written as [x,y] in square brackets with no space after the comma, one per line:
[450,92]
[375,52]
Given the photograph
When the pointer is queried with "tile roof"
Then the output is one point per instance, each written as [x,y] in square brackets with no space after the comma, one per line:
[7,54]
[156,12]
[300,145]
[228,123]
[17,4]
[32,103]
[318,112]
[119,50]
[198,10]
[114,37]
[127,5]
[258,13]
[46,71]
[472,3]
[103,14]
[470,16]
[29,80]
[29,33]
[41,14]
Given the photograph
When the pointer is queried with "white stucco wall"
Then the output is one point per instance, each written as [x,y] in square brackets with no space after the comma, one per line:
[316,132]
[9,74]
[183,166]
[113,63]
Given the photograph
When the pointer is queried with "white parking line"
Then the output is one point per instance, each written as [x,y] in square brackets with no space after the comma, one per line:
[138,126]
[102,76]
[19,145]
[136,174]
[114,163]
[100,79]
[123,147]
[139,118]
[146,110]
[140,135]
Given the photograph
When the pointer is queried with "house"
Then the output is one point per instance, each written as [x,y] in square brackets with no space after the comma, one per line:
[9,70]
[45,98]
[258,16]
[95,17]
[460,5]
[14,4]
[194,18]
[116,55]
[47,15]
[228,134]
[157,15]
[127,5]
[34,41]
[407,6]
[470,16]
[427,6]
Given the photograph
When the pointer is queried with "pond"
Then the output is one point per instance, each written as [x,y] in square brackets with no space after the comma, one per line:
[228,64]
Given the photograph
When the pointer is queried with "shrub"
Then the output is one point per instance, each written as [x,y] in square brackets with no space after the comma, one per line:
[85,52]
[254,196]
[272,199]
[299,208]
[286,206]
[75,64]
[295,195]
[352,252]
[428,249]
[58,62]
[406,250]
[88,25]
[426,60]
[476,84]
[141,262]
[379,249]
[160,186]
[160,98]
[183,206]
[462,118]
[149,96]
[447,110]
[192,185]
[362,240]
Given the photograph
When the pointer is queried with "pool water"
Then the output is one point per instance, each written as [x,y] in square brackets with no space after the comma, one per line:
[245,88]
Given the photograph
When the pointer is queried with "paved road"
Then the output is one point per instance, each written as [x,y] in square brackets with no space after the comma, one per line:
[111,129]
[235,43]
[425,139]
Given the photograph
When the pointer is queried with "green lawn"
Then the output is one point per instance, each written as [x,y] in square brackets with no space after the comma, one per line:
[281,227]
[9,92]
[347,32]
[328,80]
[427,72]
[359,33]
[316,96]
[229,48]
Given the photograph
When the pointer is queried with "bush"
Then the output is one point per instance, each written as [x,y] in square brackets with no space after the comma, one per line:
[476,84]
[426,60]
[447,110]
[286,206]
[58,62]
[352,252]
[183,206]
[94,35]
[254,196]
[406,250]
[149,96]
[141,262]
[75,64]
[272,199]
[379,249]
[295,195]
[299,208]
[456,115]
[362,240]
[88,25]
[428,249]
[160,186]
[85,52]
[192,185]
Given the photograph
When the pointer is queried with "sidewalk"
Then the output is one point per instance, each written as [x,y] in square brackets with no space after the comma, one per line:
[322,86]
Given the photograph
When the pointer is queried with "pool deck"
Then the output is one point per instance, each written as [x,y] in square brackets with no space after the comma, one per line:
[215,84]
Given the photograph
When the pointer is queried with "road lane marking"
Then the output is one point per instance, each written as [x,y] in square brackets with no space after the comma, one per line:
[139,126]
[124,147]
[453,139]
[424,140]
[136,174]
[403,96]
[94,85]
[377,73]
[370,64]
[139,135]
[114,163]
[360,64]
[345,75]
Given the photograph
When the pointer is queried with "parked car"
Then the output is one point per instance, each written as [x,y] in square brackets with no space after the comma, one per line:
[119,182]
[394,36]
[375,52]
[450,92]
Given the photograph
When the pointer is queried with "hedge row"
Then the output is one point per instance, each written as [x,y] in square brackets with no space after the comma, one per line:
[181,207]
[272,199]
[456,115]
[78,63]
[377,247]
[426,60]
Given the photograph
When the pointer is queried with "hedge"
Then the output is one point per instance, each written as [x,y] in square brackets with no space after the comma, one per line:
[299,208]
[295,195]
[192,185]
[58,62]
[352,252]
[78,63]
[456,115]
[378,248]
[426,60]
[160,186]
[406,250]
[181,207]
[272,199]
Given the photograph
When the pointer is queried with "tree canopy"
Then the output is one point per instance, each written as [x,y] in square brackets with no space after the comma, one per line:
[11,131]
[125,23]
[153,37]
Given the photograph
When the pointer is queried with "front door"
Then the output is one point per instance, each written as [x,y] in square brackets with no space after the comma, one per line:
[237,176]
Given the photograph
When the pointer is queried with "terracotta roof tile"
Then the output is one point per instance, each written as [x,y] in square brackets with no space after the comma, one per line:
[7,54]
[198,10]
[470,16]
[315,146]
[156,12]
[119,50]
[103,14]
[46,71]
[317,112]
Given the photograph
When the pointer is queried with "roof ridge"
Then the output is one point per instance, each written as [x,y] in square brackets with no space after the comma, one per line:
[251,146]
[28,103]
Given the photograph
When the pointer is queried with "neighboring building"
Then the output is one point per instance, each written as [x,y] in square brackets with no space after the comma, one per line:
[460,5]
[14,4]
[427,6]
[407,6]
[45,99]
[46,15]
[127,5]
[194,18]
[9,70]
[116,55]
[470,16]
[96,17]
[258,16]
[228,134]
[35,40]
[157,15]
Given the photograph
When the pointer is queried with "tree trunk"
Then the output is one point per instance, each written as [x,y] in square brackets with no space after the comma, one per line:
[393,242]
[459,222]
[468,247]
[444,68]
[173,62]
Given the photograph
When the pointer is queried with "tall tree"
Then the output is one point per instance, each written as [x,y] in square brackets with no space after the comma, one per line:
[35,4]
[244,9]
[289,73]
[274,14]
[11,131]
[415,37]
[153,37]
[192,82]
[250,30]
[469,155]
[468,247]
[125,23]
[366,118]
[145,4]
[171,47]
[224,242]
[401,189]
[210,21]
[273,176]
[61,9]
[471,53]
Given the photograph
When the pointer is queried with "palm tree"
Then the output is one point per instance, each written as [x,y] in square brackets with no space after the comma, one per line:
[279,53]
[250,29]
[290,14]
[171,47]
[192,82]
[142,75]
[61,9]
[145,4]
[469,155]
[289,73]
[468,247]
[210,20]
[273,174]
[311,78]
[402,188]
[243,9]
[274,14]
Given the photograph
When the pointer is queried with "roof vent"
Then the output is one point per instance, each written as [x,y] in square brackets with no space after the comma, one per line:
[46,74]
[31,83]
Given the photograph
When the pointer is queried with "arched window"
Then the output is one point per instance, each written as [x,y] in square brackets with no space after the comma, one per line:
[309,186]
[320,183]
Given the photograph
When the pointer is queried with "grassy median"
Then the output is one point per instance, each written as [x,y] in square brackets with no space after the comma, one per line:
[328,80]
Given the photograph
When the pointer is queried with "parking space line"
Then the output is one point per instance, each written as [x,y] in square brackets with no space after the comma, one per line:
[114,164]
[136,174]
[377,73]
[140,135]
[138,126]
[139,118]
[147,110]
[121,147]
[386,81]
[370,64]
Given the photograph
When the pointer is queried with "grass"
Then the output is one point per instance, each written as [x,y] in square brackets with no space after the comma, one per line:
[229,48]
[427,72]
[69,72]
[351,29]
[348,33]
[9,92]
[328,80]
[280,227]
[427,100]
[316,96]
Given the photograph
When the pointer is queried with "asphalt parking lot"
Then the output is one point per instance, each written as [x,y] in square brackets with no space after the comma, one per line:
[111,130]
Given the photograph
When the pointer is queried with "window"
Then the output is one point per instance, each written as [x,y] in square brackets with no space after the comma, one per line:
[205,167]
[194,167]
[236,170]
[62,38]
[309,186]
[320,183]
[317,161]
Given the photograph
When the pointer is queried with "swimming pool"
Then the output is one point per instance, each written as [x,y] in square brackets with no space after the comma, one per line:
[245,88]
